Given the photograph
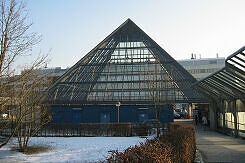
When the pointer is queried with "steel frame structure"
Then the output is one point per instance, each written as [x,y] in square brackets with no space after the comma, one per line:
[226,89]
[227,83]
[127,66]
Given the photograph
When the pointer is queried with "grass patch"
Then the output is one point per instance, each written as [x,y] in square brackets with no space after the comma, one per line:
[35,149]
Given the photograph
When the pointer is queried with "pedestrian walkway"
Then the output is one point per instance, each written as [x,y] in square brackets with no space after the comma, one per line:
[218,148]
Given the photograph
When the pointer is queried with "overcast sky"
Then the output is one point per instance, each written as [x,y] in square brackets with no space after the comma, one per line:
[71,28]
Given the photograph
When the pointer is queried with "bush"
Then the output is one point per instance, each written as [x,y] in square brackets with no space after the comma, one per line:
[183,140]
[178,145]
[146,152]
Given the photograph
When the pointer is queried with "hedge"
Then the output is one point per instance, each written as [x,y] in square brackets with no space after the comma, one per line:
[183,140]
[177,146]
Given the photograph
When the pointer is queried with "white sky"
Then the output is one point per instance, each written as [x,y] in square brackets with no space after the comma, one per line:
[181,27]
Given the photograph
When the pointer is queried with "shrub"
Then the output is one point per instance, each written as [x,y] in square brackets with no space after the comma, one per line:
[146,152]
[183,140]
[177,146]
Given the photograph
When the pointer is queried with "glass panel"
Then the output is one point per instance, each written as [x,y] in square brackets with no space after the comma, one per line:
[132,73]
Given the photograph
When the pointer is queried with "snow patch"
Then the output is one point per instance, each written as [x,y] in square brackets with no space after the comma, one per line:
[70,149]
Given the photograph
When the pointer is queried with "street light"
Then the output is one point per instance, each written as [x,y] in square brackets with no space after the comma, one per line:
[118,105]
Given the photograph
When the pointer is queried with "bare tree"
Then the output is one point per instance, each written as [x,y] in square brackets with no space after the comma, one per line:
[20,95]
[15,39]
[156,86]
[31,114]
[155,94]
[26,108]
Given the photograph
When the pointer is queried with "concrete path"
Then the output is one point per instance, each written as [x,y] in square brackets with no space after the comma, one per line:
[215,147]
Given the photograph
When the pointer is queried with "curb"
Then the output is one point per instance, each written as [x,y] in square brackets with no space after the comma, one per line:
[198,158]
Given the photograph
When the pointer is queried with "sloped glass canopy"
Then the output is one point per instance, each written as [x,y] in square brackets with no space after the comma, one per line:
[127,66]
[229,82]
[133,73]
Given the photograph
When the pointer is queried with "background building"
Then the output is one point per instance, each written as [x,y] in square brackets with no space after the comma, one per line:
[200,68]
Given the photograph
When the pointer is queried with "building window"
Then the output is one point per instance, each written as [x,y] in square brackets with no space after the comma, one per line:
[202,70]
[213,62]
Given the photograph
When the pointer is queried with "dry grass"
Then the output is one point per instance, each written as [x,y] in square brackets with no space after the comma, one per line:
[35,149]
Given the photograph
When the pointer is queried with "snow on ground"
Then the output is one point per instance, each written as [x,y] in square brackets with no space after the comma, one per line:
[70,149]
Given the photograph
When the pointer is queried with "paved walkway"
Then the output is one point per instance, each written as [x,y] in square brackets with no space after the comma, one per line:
[216,147]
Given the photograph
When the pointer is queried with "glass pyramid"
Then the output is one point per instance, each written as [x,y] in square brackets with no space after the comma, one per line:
[127,66]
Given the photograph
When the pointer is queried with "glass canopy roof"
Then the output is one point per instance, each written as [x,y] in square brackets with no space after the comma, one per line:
[228,82]
[127,66]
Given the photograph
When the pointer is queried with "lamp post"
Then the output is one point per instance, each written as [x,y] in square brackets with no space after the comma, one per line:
[118,105]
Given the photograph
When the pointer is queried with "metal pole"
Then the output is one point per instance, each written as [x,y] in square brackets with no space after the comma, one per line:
[118,114]
[118,105]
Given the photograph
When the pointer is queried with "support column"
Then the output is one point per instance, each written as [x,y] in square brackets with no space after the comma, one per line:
[213,115]
[235,118]
[223,113]
[190,110]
